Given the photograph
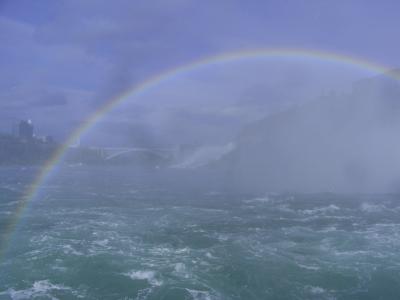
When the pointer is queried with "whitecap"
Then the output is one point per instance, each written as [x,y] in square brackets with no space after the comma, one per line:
[209,255]
[311,268]
[68,249]
[40,288]
[325,209]
[180,269]
[102,243]
[316,290]
[371,208]
[199,295]
[148,275]
[320,293]
[264,199]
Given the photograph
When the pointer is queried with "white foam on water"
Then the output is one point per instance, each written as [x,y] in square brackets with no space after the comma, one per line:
[285,208]
[162,250]
[68,249]
[11,203]
[148,275]
[325,209]
[182,250]
[319,292]
[180,267]
[102,243]
[143,294]
[311,268]
[209,255]
[40,288]
[316,290]
[181,270]
[355,253]
[223,237]
[372,208]
[199,295]
[265,199]
[329,229]
[41,239]
[209,210]
[326,245]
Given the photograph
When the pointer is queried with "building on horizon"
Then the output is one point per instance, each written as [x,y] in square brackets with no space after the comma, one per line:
[25,130]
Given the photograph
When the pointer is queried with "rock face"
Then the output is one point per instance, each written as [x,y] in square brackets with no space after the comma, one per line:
[342,143]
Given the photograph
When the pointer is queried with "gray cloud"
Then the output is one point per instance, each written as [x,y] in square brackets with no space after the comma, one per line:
[74,55]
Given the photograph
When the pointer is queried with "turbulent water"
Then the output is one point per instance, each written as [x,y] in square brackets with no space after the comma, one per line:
[96,233]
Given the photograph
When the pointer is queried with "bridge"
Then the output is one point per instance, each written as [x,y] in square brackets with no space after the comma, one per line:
[109,153]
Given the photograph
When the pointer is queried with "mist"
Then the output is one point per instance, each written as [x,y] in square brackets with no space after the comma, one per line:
[269,126]
[339,143]
[199,150]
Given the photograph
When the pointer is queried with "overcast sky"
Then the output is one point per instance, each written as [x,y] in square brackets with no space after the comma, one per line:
[61,59]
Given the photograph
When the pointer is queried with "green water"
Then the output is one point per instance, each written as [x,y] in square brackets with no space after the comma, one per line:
[94,233]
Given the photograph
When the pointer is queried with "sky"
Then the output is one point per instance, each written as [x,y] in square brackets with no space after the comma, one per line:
[60,60]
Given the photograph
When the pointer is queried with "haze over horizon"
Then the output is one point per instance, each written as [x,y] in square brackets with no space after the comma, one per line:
[63,59]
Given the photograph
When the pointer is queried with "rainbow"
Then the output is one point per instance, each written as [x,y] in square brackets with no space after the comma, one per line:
[50,166]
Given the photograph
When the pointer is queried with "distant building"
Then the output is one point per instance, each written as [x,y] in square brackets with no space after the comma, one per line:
[25,130]
[49,139]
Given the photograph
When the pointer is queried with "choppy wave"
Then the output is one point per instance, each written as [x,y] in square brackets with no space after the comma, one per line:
[43,289]
[149,276]
[155,243]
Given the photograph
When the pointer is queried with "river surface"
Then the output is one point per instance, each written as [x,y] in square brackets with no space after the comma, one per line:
[110,233]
